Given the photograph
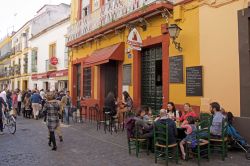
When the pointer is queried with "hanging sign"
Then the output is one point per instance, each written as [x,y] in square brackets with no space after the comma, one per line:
[53,60]
[134,40]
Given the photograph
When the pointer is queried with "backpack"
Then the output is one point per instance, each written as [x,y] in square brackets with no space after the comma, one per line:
[130,126]
[68,101]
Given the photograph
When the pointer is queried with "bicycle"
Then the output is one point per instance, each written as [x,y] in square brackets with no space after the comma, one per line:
[10,122]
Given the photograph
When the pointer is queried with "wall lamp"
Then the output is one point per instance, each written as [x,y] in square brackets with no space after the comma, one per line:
[174,31]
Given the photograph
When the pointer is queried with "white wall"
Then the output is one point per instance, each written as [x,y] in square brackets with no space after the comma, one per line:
[42,43]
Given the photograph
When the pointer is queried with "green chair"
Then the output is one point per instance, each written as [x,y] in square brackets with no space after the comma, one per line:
[161,147]
[202,149]
[135,143]
[205,116]
[221,144]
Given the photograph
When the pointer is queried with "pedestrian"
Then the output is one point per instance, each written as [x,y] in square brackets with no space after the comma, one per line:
[52,108]
[36,104]
[14,103]
[67,104]
[19,102]
[2,102]
[27,106]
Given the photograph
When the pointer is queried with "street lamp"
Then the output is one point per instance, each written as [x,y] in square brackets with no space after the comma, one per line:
[174,31]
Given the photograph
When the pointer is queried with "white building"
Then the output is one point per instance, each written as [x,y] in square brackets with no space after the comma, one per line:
[50,45]
[29,60]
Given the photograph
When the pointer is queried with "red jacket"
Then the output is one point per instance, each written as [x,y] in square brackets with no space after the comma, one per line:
[184,116]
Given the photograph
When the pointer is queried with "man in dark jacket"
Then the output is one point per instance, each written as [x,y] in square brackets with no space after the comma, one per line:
[2,102]
[36,100]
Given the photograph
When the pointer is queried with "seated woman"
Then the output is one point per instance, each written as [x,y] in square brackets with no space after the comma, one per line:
[187,112]
[125,105]
[110,104]
[172,112]
[216,127]
[148,113]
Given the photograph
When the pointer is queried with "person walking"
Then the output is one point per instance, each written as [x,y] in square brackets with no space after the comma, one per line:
[36,104]
[14,103]
[19,102]
[52,108]
[67,102]
[2,102]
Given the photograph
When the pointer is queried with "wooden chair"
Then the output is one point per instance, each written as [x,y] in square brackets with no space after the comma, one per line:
[135,143]
[221,144]
[202,149]
[161,147]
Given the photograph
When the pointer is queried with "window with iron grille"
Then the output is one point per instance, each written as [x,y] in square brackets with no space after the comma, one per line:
[87,82]
[34,61]
[127,74]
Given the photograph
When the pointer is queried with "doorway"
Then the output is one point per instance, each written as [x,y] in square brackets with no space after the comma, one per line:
[25,85]
[151,77]
[109,78]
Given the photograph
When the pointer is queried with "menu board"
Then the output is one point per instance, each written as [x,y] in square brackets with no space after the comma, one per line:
[176,69]
[194,81]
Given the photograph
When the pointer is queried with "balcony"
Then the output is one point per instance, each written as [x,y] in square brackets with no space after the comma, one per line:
[112,11]
[18,48]
[48,66]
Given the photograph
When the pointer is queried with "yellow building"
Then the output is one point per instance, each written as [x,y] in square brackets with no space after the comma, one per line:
[5,52]
[20,73]
[212,67]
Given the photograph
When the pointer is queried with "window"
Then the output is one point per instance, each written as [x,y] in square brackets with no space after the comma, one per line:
[25,64]
[127,74]
[66,55]
[78,83]
[87,82]
[85,11]
[52,53]
[34,61]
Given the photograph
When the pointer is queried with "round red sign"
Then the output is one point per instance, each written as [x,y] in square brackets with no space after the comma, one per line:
[53,60]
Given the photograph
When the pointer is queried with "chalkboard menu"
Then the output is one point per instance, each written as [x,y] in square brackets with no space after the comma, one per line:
[176,69]
[194,81]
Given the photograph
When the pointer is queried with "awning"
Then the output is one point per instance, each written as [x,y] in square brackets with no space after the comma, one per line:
[101,56]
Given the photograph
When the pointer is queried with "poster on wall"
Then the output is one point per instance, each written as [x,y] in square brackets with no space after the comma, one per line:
[194,81]
[176,69]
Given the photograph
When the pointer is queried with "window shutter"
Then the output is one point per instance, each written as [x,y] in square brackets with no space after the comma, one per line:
[127,74]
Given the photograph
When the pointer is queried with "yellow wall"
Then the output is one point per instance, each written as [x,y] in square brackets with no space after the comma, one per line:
[189,39]
[219,55]
[209,37]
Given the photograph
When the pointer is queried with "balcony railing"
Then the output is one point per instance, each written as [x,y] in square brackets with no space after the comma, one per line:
[111,11]
[48,66]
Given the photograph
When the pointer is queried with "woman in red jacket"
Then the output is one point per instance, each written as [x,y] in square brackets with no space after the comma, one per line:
[187,112]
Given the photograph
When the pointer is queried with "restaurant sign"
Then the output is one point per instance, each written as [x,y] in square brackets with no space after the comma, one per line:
[134,40]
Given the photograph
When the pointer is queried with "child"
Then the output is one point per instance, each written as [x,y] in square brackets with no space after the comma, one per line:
[190,132]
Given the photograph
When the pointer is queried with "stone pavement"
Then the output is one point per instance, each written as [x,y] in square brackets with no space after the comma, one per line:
[82,146]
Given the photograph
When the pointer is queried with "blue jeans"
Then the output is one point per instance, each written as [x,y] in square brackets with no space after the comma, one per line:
[66,112]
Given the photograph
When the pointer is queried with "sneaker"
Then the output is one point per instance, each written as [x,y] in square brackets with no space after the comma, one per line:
[1,133]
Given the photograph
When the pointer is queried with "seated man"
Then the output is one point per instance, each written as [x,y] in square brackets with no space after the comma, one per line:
[172,131]
[218,117]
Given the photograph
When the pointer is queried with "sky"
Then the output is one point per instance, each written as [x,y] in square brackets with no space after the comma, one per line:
[15,13]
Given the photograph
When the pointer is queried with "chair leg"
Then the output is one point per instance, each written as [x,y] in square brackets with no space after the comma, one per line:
[223,151]
[166,156]
[129,146]
[208,151]
[176,154]
[199,154]
[147,147]
[137,148]
[155,154]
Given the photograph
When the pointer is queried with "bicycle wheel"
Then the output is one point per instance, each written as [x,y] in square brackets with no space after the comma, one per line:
[11,124]
[248,154]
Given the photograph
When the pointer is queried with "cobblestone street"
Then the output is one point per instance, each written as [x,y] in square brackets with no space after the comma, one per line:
[82,146]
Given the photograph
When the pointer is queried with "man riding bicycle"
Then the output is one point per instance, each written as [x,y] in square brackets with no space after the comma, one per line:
[2,102]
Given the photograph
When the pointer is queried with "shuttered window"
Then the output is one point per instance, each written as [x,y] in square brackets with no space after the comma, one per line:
[87,82]
[127,74]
